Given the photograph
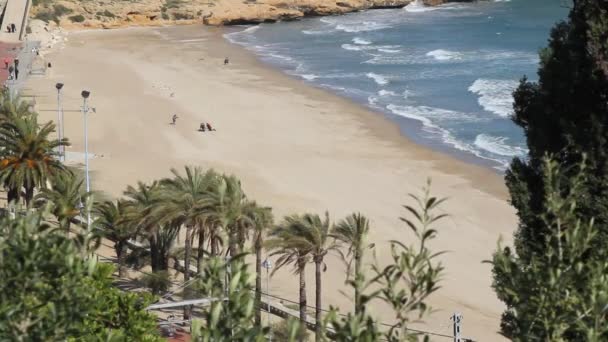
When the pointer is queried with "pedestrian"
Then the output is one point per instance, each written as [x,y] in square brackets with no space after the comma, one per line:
[16,73]
[226,61]
[16,62]
[7,61]
[10,71]
[174,119]
[13,28]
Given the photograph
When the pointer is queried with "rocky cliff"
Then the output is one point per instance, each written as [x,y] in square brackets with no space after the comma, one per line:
[119,13]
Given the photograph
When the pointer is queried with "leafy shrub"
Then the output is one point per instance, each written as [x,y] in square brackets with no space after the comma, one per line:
[106,13]
[165,16]
[46,16]
[61,10]
[77,18]
[181,16]
[158,282]
[284,331]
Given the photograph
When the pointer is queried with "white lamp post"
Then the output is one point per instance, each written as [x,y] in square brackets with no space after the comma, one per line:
[267,264]
[85,109]
[60,121]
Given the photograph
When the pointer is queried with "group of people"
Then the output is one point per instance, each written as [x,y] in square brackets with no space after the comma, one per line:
[203,127]
[11,28]
[13,69]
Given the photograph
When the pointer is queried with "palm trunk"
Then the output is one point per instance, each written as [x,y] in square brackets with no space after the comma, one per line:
[232,243]
[121,253]
[318,300]
[29,195]
[12,195]
[154,252]
[258,283]
[200,254]
[187,254]
[358,308]
[303,304]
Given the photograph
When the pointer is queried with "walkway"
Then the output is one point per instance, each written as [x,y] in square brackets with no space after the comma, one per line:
[16,12]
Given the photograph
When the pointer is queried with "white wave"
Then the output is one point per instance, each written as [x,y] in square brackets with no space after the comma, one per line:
[379,79]
[361,26]
[418,6]
[372,100]
[498,146]
[389,50]
[380,48]
[407,94]
[352,47]
[444,55]
[317,32]
[251,29]
[361,41]
[309,77]
[384,92]
[495,96]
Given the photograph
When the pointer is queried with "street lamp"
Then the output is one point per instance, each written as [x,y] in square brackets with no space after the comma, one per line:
[85,109]
[267,264]
[60,121]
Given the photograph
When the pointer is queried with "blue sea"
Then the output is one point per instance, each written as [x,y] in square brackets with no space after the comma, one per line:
[444,74]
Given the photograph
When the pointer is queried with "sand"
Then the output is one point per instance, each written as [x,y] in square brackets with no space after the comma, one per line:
[295,148]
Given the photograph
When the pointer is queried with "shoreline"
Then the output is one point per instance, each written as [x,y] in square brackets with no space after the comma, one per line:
[295,147]
[466,165]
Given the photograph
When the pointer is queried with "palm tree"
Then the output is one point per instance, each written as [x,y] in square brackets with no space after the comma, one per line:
[283,241]
[228,211]
[112,220]
[261,219]
[186,202]
[28,158]
[143,201]
[65,198]
[353,231]
[297,240]
[313,234]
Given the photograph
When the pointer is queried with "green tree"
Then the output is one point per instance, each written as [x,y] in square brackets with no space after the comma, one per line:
[562,293]
[564,115]
[112,221]
[231,319]
[29,157]
[261,219]
[282,242]
[352,232]
[66,198]
[185,202]
[49,293]
[414,274]
[145,215]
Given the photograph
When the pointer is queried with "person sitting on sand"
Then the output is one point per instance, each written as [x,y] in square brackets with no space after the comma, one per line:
[174,119]
[226,61]
[209,128]
[201,128]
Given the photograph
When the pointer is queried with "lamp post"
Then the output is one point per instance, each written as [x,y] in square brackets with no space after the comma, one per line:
[267,264]
[60,121]
[85,109]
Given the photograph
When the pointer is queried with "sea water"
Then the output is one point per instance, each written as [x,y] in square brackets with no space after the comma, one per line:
[445,74]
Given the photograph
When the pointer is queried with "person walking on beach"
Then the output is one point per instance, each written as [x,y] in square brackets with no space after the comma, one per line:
[174,119]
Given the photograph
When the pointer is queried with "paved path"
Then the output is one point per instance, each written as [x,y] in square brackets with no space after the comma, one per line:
[16,13]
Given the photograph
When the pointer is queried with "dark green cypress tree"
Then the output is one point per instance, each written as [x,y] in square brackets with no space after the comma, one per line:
[564,115]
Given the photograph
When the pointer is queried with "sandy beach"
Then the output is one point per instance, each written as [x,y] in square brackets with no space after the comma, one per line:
[295,148]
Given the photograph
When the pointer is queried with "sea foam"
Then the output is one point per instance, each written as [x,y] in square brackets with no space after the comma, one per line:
[495,96]
[444,55]
[498,146]
[379,79]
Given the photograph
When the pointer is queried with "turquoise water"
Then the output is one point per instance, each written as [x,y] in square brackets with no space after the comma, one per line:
[444,74]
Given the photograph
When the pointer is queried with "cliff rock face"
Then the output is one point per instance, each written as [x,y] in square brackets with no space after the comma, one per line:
[119,13]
